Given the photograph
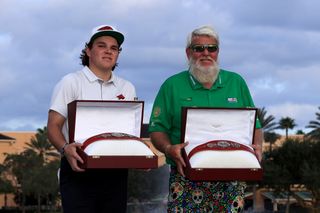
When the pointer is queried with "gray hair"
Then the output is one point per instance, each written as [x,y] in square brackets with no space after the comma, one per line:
[202,31]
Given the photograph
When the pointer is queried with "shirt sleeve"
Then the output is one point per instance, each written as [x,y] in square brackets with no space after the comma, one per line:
[160,119]
[64,93]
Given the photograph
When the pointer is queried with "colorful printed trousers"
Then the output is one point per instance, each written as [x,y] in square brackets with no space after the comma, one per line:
[217,197]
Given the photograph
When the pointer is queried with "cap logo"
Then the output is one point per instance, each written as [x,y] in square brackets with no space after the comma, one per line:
[105,28]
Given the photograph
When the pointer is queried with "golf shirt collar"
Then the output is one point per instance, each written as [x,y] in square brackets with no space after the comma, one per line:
[92,77]
[197,85]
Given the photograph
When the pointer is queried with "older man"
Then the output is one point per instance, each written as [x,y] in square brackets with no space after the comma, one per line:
[203,85]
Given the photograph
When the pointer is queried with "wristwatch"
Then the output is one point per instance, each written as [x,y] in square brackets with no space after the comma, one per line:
[62,149]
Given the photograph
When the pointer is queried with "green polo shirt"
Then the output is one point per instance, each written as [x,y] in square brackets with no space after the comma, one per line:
[229,90]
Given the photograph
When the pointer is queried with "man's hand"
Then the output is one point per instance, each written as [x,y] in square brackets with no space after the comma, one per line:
[258,151]
[257,143]
[174,152]
[162,142]
[55,136]
[70,152]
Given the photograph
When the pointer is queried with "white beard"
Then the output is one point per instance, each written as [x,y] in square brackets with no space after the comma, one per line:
[204,74]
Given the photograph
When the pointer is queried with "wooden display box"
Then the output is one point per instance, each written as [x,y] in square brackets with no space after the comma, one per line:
[109,132]
[220,142]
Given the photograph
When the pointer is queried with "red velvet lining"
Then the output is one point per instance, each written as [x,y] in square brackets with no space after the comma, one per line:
[222,145]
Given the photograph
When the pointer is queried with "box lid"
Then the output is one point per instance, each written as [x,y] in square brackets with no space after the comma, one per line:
[91,117]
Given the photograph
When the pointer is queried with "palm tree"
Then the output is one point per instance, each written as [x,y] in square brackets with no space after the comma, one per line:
[271,138]
[5,184]
[43,149]
[268,125]
[22,167]
[267,122]
[41,145]
[315,125]
[286,123]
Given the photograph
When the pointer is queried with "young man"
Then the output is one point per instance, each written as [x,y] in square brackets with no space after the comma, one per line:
[203,85]
[91,191]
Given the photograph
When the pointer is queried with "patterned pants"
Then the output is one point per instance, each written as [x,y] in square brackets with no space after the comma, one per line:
[218,197]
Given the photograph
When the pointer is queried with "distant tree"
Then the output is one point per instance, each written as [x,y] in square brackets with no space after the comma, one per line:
[41,145]
[315,125]
[22,167]
[286,123]
[34,170]
[271,138]
[295,163]
[267,122]
[5,184]
[268,125]
[311,173]
[44,184]
[300,132]
[284,165]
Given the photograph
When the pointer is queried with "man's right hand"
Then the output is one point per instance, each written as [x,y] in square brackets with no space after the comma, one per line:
[70,152]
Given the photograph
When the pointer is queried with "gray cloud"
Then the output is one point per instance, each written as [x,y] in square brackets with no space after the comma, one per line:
[274,45]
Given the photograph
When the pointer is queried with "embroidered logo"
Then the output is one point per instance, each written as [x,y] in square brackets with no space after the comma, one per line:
[232,100]
[120,97]
[156,111]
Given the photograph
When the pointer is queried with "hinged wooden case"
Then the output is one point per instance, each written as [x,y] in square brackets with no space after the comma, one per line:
[220,142]
[109,132]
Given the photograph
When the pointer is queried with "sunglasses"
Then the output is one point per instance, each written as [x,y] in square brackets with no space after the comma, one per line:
[200,48]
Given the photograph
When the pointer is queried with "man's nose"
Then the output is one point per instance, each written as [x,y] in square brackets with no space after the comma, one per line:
[206,52]
[108,50]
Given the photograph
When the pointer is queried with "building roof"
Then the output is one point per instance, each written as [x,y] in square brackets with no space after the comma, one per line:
[5,137]
[14,142]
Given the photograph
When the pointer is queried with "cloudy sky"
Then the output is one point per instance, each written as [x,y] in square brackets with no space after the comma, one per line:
[274,45]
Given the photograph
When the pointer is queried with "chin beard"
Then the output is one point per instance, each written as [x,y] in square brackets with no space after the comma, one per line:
[204,74]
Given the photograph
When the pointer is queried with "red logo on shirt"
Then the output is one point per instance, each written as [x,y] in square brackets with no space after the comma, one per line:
[120,97]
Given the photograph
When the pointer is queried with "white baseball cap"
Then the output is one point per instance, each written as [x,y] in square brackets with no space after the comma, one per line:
[106,30]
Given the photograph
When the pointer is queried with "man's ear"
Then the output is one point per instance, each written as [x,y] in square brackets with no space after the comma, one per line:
[88,51]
